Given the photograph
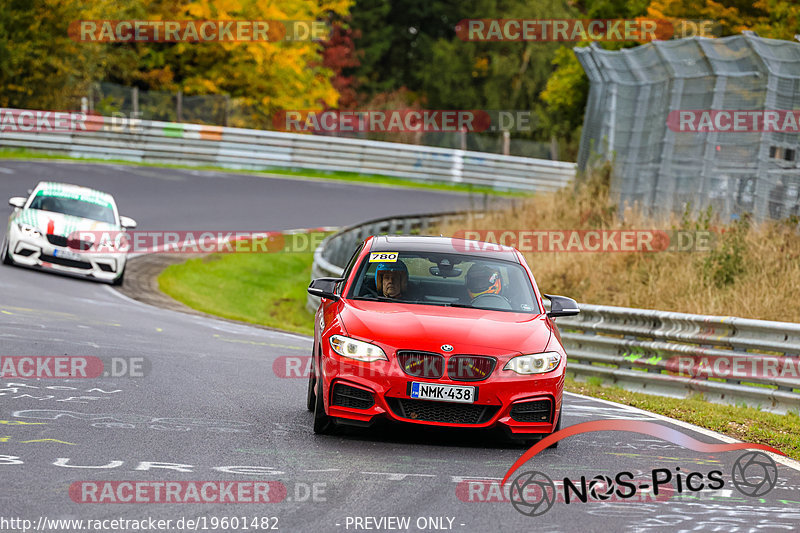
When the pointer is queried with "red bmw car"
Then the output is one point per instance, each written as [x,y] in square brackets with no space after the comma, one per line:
[437,331]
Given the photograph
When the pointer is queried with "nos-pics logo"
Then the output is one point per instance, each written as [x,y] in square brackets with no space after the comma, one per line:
[533,493]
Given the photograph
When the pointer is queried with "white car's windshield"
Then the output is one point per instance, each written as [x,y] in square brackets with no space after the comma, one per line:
[74,207]
[445,279]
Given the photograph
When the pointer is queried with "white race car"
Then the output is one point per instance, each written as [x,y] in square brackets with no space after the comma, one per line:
[42,227]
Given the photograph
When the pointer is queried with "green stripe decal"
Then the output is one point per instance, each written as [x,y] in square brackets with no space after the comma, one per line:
[92,197]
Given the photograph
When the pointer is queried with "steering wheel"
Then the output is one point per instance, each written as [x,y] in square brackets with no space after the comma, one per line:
[369,291]
[492,301]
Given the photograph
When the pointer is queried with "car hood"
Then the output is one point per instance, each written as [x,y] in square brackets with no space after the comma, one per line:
[59,223]
[427,327]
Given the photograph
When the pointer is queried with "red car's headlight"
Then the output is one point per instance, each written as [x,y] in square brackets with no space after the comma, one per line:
[359,350]
[535,363]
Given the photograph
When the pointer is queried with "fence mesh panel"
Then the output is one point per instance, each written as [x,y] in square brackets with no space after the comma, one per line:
[632,93]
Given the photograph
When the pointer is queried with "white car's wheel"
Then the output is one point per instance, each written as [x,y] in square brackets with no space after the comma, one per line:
[4,253]
[118,281]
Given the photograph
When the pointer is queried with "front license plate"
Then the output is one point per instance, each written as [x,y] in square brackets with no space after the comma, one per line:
[66,254]
[443,393]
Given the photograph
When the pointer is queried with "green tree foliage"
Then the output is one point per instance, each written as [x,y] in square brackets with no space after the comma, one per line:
[395,39]
[564,98]
[41,67]
[493,75]
[406,53]
[777,19]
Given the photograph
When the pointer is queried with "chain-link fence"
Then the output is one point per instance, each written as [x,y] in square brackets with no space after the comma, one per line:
[635,114]
[212,109]
[222,110]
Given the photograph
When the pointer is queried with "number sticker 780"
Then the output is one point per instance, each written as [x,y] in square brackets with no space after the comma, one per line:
[383,257]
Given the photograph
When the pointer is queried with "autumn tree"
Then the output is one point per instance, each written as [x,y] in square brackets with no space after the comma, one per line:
[339,55]
[41,67]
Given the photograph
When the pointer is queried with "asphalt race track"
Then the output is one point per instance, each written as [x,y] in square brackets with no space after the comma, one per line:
[212,407]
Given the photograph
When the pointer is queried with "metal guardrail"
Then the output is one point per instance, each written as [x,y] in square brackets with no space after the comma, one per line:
[727,359]
[236,148]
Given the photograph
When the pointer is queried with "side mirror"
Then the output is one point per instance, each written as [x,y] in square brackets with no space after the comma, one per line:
[127,222]
[561,306]
[324,287]
[16,201]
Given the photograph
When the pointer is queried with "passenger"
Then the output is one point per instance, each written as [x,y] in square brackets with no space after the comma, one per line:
[483,279]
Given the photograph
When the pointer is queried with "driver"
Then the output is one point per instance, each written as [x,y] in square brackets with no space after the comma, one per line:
[483,279]
[391,279]
[47,204]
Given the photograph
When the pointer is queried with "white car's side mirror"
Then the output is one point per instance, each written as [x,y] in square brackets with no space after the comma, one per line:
[16,201]
[127,222]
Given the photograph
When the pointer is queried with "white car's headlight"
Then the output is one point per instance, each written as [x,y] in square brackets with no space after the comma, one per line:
[535,363]
[29,231]
[360,350]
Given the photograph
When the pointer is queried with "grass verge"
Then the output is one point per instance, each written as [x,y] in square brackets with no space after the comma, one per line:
[260,288]
[350,177]
[270,289]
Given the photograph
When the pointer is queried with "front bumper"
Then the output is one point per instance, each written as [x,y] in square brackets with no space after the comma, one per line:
[362,393]
[39,253]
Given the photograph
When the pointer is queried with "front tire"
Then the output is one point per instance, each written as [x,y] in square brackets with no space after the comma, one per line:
[557,428]
[311,397]
[323,424]
[6,258]
[118,281]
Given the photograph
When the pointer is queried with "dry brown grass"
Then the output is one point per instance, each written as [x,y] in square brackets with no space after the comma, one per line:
[752,270]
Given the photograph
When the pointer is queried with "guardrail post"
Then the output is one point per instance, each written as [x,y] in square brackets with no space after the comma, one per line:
[135,100]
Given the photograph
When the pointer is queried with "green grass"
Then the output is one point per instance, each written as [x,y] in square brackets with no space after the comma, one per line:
[351,177]
[270,289]
[261,288]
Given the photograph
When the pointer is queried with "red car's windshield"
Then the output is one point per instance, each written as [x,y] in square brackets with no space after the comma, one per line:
[445,279]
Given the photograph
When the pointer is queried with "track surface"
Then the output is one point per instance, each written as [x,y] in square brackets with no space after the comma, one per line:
[214,380]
